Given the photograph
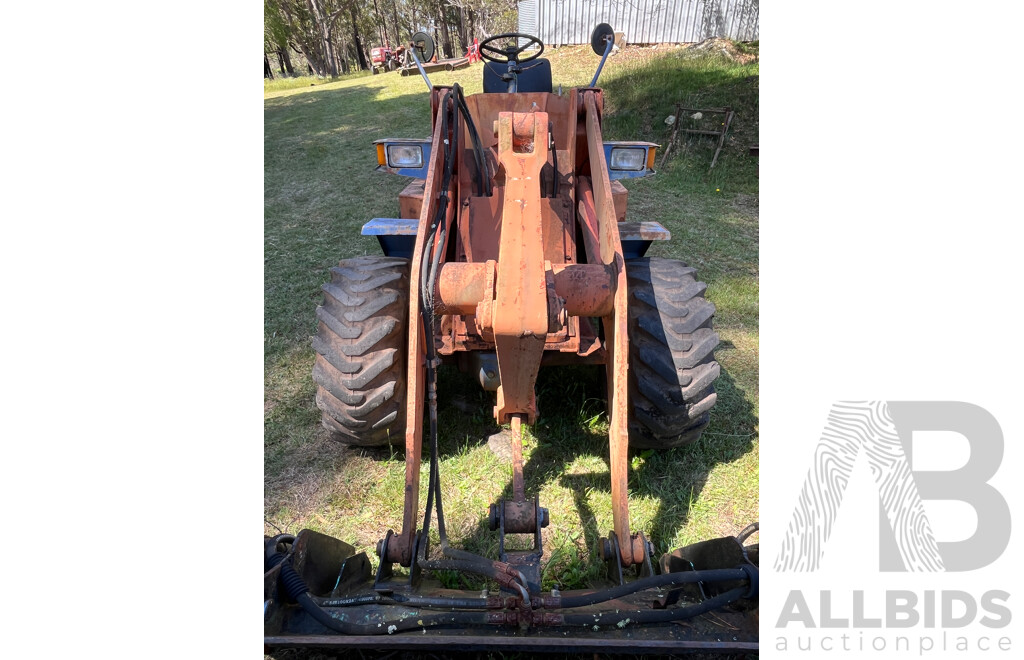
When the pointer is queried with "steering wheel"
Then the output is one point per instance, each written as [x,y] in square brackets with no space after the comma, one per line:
[511,51]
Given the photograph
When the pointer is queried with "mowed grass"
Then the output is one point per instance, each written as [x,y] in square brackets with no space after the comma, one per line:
[320,187]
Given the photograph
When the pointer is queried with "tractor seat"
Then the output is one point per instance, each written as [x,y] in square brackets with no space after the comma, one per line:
[535,77]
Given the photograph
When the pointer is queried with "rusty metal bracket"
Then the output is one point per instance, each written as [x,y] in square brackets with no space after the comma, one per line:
[383,582]
[521,517]
[609,549]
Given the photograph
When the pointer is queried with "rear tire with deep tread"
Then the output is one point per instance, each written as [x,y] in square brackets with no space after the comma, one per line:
[672,365]
[360,368]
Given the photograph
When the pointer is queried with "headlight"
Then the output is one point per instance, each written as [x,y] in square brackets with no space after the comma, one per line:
[405,155]
[628,158]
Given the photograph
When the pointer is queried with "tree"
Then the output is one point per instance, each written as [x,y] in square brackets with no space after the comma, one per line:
[276,33]
[330,34]
[309,26]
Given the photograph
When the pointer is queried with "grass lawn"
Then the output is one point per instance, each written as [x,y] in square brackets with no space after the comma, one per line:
[320,187]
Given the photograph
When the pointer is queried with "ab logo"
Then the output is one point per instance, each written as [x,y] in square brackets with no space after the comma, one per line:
[882,431]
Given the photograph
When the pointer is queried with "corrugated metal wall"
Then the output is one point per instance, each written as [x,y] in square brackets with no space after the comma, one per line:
[560,22]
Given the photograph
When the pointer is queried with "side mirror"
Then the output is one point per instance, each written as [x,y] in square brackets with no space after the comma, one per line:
[422,50]
[601,40]
[600,36]
[424,46]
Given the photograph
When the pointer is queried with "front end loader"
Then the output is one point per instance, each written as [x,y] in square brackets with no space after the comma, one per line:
[512,252]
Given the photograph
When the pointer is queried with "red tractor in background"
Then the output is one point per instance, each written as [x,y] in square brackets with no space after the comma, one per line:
[384,59]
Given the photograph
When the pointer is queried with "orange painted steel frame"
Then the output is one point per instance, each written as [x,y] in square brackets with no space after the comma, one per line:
[512,277]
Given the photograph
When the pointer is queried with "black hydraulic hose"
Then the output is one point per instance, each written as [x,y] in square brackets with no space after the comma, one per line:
[747,572]
[297,589]
[427,602]
[270,551]
[554,158]
[747,531]
[482,169]
[388,626]
[624,618]
[427,298]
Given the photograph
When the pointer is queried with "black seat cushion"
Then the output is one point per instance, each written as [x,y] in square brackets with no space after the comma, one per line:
[535,77]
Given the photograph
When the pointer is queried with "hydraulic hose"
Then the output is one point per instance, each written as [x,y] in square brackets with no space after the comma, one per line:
[327,620]
[297,589]
[623,618]
[482,170]
[427,602]
[746,572]
[554,160]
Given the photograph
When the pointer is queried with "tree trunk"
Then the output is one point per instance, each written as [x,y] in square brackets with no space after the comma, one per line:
[381,25]
[343,52]
[446,37]
[314,63]
[356,41]
[267,71]
[394,13]
[287,61]
[462,29]
[323,24]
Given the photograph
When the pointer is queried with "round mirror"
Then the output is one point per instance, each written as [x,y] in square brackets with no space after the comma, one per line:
[424,46]
[599,37]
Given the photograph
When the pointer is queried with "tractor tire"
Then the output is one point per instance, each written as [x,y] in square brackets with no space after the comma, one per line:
[361,351]
[672,367]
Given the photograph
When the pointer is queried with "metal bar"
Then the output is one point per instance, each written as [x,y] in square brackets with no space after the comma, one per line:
[518,485]
[400,547]
[521,326]
[444,639]
[607,50]
[588,221]
[631,550]
[412,51]
[586,288]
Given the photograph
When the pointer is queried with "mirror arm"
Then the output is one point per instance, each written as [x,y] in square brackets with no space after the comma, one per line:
[607,50]
[430,87]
